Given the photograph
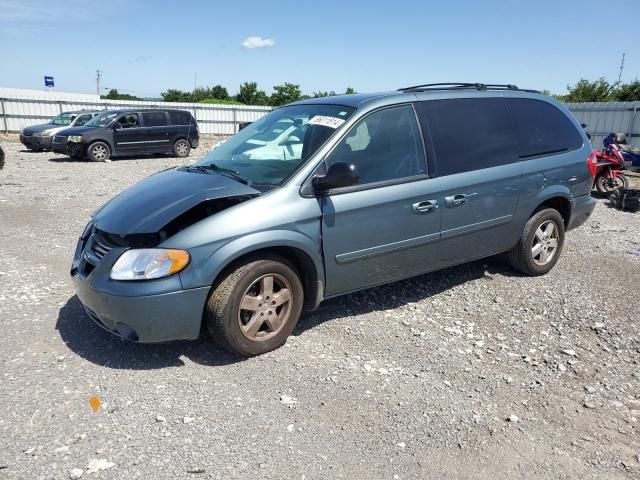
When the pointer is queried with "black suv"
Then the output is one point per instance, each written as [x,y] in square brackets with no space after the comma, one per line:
[130,132]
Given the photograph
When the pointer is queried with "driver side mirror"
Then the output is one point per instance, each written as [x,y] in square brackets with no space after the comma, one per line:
[339,175]
[116,125]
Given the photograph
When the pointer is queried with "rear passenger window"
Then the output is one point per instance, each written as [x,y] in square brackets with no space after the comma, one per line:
[469,134]
[542,128]
[154,119]
[179,118]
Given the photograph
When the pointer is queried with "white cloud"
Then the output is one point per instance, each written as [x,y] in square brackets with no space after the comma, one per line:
[258,42]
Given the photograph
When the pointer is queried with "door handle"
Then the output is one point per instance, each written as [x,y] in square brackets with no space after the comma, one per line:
[425,206]
[456,200]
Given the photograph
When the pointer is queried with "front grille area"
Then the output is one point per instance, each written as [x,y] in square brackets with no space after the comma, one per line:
[27,134]
[59,139]
[99,247]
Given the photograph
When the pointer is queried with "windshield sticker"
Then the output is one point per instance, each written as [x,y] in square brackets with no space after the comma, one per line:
[330,122]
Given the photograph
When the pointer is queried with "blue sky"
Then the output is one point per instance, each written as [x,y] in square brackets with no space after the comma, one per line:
[147,46]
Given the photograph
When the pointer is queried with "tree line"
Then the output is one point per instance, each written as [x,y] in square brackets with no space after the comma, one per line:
[599,90]
[248,94]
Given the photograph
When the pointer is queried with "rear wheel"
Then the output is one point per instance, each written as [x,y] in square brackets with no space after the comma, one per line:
[99,152]
[606,185]
[255,307]
[540,245]
[181,148]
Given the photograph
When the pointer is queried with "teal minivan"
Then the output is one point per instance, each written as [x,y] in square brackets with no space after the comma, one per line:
[363,190]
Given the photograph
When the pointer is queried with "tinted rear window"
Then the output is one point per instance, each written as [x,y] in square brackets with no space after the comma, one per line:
[154,119]
[542,128]
[179,118]
[469,134]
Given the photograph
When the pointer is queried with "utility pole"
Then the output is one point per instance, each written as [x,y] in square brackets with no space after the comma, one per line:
[621,68]
[98,77]
[195,82]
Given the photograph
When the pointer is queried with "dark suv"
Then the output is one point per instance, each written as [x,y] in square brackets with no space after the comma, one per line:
[130,132]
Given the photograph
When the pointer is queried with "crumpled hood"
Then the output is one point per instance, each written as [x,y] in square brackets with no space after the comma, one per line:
[152,203]
[39,128]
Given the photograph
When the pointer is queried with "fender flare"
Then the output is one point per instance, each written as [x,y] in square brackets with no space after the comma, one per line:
[553,191]
[247,244]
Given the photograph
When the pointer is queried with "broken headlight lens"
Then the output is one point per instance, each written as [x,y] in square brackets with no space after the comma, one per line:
[149,263]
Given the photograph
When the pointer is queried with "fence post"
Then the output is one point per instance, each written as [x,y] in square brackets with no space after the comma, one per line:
[235,120]
[632,122]
[4,116]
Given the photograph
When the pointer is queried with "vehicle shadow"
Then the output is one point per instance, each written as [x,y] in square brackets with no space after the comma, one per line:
[394,295]
[94,344]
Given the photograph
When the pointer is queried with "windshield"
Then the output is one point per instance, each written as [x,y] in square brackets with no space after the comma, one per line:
[63,119]
[269,150]
[102,120]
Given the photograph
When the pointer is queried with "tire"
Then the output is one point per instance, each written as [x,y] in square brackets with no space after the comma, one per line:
[604,187]
[249,332]
[181,148]
[99,152]
[522,257]
[615,199]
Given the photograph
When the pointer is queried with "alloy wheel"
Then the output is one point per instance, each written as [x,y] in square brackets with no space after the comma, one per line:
[182,148]
[99,152]
[545,243]
[265,307]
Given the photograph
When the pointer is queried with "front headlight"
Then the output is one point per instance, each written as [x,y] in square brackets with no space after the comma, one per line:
[45,133]
[149,263]
[75,138]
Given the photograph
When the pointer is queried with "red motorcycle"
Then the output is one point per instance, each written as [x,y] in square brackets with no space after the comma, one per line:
[609,166]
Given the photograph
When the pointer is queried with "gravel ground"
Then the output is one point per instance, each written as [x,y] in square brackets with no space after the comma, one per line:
[471,372]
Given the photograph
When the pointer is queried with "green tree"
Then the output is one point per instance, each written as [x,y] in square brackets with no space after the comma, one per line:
[627,92]
[250,95]
[115,95]
[349,91]
[174,95]
[219,92]
[283,94]
[585,91]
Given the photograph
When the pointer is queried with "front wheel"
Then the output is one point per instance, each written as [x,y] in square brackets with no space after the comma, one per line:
[99,152]
[181,148]
[256,306]
[606,185]
[540,245]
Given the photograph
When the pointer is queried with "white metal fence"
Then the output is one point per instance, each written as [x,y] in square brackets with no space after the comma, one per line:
[20,110]
[603,118]
[17,112]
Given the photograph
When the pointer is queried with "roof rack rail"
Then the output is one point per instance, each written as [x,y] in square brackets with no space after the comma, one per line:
[459,86]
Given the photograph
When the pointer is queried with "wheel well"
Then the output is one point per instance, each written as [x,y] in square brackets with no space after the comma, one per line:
[300,260]
[561,204]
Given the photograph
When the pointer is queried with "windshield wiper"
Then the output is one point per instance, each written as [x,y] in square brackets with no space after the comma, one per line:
[213,167]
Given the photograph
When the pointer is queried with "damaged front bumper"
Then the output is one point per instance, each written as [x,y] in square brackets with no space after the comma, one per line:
[145,318]
[147,311]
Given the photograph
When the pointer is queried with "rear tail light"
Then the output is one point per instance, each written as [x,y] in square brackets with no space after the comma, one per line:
[592,162]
